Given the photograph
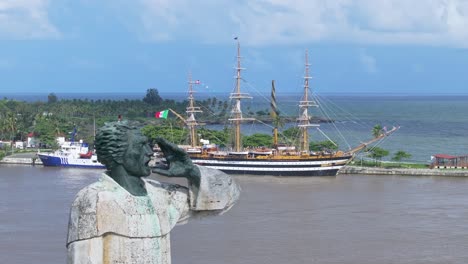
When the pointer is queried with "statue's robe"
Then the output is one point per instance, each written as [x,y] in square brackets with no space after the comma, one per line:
[109,225]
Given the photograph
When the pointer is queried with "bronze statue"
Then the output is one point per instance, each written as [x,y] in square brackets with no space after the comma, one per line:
[126,218]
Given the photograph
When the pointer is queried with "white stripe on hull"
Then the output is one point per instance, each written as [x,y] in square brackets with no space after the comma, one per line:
[286,169]
[210,162]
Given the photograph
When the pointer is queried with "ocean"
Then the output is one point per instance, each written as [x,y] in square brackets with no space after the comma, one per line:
[428,125]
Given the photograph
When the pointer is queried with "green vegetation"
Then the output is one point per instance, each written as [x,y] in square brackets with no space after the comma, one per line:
[57,117]
[389,165]
[52,98]
[152,97]
[377,130]
[400,155]
[376,154]
[322,146]
[292,132]
[3,153]
[257,140]
[174,134]
[218,137]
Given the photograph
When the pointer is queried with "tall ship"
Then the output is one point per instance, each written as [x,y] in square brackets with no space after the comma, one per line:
[278,160]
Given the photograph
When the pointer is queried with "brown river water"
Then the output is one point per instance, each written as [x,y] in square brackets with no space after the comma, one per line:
[343,219]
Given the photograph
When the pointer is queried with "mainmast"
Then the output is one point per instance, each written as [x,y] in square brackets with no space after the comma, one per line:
[236,109]
[274,114]
[191,110]
[304,104]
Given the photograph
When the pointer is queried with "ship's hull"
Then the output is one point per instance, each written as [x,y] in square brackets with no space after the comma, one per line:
[276,167]
[60,161]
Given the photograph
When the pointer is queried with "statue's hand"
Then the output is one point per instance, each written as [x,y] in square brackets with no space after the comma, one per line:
[180,164]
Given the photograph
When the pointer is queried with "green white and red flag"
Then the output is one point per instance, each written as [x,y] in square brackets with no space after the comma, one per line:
[162,114]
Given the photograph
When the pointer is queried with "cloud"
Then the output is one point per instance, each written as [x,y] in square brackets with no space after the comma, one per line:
[276,22]
[25,19]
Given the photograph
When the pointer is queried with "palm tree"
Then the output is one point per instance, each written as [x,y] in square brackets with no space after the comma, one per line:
[377,154]
[377,131]
[10,124]
[399,155]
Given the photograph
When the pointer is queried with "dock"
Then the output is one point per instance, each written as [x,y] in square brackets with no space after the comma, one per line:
[29,158]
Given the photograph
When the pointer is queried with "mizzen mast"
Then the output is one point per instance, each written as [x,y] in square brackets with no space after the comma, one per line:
[304,104]
[236,111]
[191,110]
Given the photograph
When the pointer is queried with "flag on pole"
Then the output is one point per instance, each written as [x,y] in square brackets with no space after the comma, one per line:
[162,114]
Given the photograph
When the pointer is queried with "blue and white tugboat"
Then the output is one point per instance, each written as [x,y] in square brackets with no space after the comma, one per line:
[71,154]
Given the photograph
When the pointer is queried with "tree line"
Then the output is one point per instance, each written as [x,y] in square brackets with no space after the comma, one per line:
[55,117]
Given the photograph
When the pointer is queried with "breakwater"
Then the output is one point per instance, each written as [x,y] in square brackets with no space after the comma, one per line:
[403,172]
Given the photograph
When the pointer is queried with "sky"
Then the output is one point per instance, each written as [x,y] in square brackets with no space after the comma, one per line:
[363,47]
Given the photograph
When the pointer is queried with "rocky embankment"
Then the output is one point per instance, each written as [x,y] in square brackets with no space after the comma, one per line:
[403,172]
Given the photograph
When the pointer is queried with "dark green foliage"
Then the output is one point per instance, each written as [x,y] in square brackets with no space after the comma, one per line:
[52,98]
[152,97]
[257,140]
[59,116]
[174,134]
[399,155]
[377,131]
[15,119]
[377,153]
[218,137]
[290,136]
[322,146]
[49,127]
[292,132]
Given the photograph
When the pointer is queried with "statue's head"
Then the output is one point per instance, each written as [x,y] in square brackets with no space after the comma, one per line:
[122,144]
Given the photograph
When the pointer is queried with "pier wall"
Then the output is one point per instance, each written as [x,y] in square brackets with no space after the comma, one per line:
[23,161]
[404,172]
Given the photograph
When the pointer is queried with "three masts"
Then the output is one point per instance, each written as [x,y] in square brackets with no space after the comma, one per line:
[237,118]
[282,160]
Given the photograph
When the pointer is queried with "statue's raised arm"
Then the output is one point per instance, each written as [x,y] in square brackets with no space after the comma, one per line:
[210,189]
[178,161]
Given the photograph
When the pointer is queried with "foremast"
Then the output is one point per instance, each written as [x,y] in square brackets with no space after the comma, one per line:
[304,105]
[191,109]
[236,111]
